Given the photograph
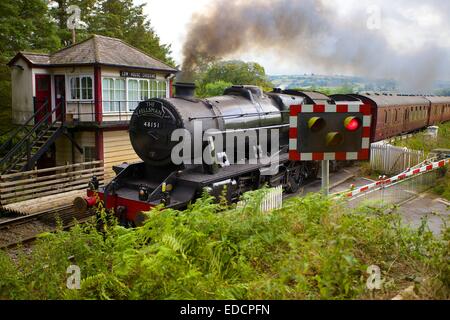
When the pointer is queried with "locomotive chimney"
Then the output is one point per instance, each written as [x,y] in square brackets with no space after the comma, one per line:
[184,89]
[184,86]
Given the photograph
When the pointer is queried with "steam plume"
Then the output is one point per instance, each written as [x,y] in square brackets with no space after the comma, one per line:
[309,31]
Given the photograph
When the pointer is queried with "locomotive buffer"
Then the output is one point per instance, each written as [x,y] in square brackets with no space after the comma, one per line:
[330,132]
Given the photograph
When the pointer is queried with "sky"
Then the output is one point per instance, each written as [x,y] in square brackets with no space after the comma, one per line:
[407,25]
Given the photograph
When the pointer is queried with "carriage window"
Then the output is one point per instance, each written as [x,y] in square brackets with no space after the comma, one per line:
[396,115]
[385,116]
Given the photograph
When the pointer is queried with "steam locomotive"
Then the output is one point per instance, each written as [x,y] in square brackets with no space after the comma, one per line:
[157,180]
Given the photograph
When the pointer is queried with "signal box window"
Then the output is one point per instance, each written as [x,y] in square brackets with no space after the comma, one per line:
[81,88]
[114,95]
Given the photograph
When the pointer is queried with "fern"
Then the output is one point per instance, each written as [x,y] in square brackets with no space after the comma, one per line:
[312,248]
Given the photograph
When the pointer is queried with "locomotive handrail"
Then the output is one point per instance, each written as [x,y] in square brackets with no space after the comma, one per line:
[248,129]
[239,115]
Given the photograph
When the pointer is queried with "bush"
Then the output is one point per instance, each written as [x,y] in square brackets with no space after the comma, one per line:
[312,248]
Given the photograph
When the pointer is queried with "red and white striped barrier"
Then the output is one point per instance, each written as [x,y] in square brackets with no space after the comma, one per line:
[402,176]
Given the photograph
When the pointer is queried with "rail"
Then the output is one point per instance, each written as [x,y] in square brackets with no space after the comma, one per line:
[34,184]
[26,229]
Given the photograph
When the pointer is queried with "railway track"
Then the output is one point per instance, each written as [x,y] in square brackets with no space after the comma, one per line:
[26,229]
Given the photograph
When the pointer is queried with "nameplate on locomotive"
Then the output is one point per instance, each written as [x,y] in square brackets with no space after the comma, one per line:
[151,109]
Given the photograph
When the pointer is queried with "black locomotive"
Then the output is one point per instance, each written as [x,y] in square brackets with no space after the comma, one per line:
[241,111]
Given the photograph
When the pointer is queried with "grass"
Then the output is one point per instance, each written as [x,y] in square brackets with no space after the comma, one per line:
[420,141]
[442,187]
[312,248]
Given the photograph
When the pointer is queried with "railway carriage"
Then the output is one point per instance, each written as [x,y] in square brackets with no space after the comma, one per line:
[395,114]
[439,110]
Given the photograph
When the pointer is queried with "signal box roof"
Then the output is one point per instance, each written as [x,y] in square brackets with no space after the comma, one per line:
[97,50]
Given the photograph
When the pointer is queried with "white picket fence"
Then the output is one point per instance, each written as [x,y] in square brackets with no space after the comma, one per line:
[389,159]
[272,200]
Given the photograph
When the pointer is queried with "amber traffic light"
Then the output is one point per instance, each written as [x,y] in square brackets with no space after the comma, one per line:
[316,124]
[334,139]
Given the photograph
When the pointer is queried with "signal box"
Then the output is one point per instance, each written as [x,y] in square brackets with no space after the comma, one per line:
[330,132]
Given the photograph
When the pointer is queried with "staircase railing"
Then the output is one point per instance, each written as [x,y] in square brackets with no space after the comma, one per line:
[22,129]
[23,149]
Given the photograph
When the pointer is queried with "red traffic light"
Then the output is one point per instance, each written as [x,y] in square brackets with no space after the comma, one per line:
[352,123]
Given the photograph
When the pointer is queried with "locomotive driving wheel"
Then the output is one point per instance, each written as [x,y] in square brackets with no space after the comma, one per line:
[295,178]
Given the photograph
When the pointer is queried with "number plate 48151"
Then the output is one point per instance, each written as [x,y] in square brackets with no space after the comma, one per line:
[152,124]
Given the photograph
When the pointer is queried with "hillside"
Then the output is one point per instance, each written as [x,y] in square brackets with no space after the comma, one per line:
[351,82]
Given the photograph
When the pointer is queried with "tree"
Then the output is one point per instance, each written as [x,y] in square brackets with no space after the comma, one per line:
[122,19]
[213,89]
[237,72]
[231,73]
[113,18]
[24,25]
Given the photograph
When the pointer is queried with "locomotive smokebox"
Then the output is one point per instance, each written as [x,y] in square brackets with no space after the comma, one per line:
[184,89]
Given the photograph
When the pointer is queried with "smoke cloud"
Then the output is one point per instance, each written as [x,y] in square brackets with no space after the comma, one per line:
[309,31]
